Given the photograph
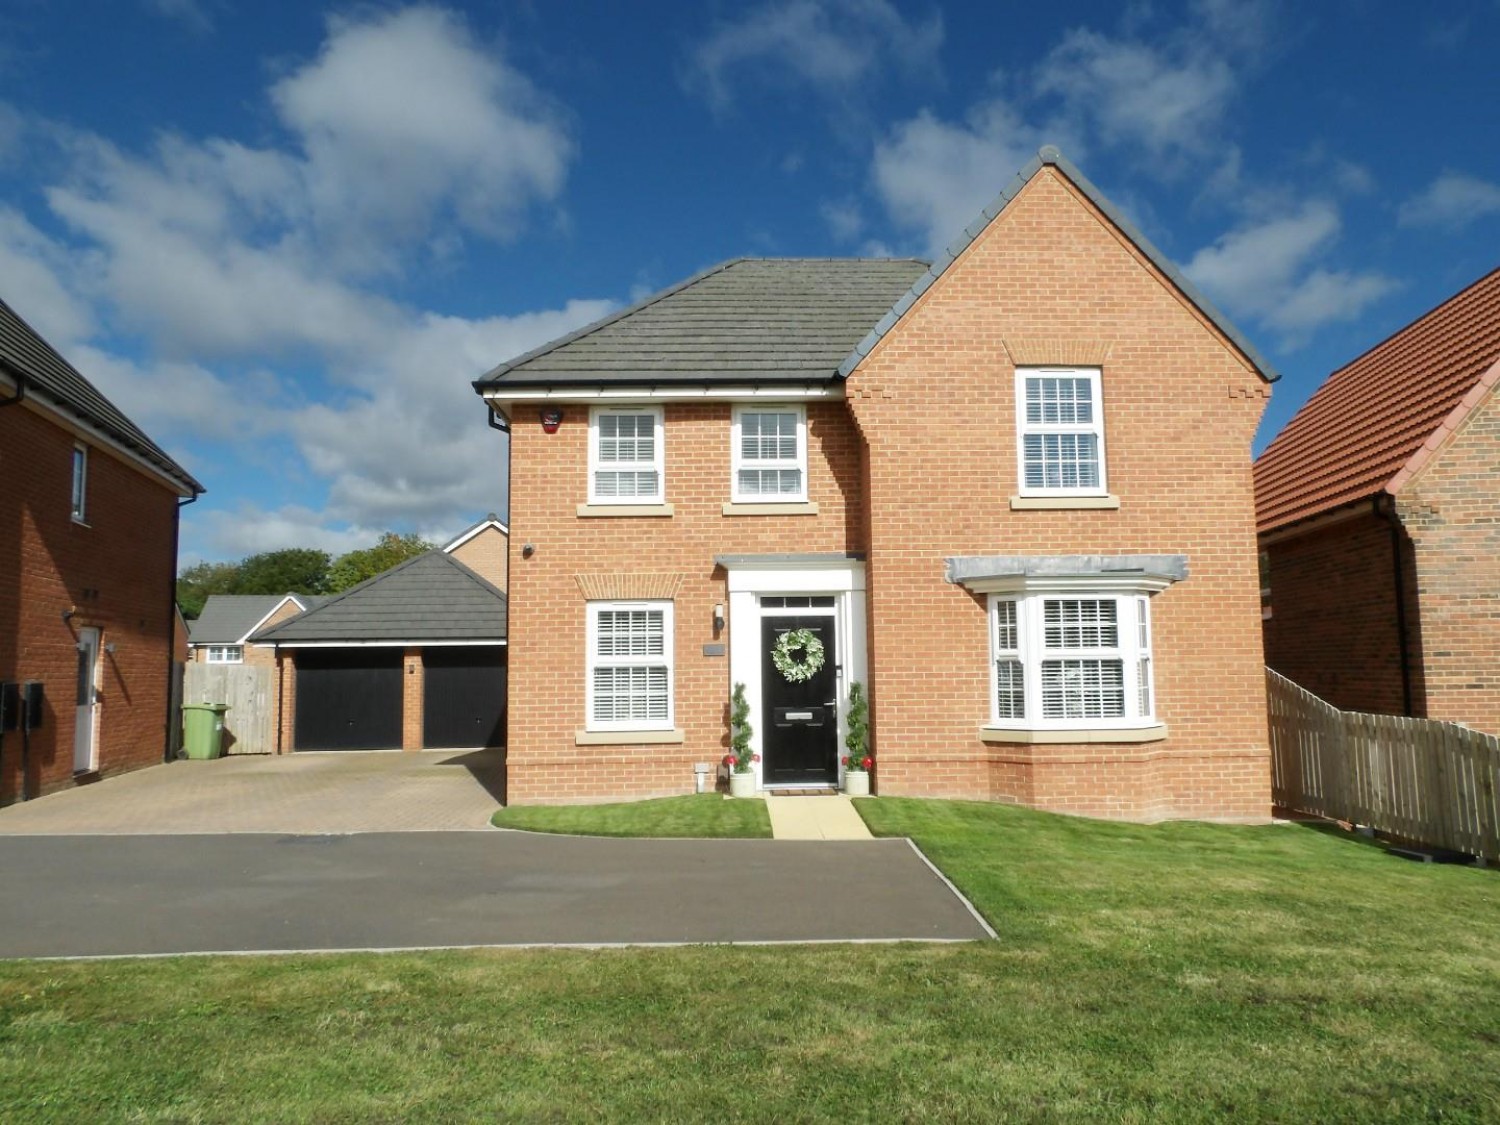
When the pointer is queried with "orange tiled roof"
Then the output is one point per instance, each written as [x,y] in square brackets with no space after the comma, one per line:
[1372,417]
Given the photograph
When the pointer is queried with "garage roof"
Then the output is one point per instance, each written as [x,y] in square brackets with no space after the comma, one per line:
[431,599]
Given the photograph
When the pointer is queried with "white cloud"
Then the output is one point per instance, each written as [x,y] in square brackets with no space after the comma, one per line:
[1453,200]
[30,264]
[1158,98]
[933,177]
[844,218]
[195,14]
[250,529]
[1267,271]
[831,45]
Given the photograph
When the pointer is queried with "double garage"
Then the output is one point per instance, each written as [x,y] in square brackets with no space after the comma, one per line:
[355,699]
[414,659]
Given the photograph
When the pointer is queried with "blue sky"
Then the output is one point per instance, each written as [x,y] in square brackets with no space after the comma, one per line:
[284,237]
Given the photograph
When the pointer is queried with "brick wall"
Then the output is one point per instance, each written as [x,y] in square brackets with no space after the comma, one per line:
[1451,510]
[413,700]
[936,403]
[116,575]
[1333,614]
[486,554]
[549,479]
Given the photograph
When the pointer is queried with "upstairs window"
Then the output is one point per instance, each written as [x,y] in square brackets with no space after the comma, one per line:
[770,454]
[80,482]
[1060,431]
[629,666]
[625,456]
[226,654]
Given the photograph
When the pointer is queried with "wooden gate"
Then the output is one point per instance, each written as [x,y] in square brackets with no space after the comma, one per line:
[250,722]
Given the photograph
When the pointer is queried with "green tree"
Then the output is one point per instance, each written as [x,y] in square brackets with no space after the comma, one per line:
[355,567]
[295,570]
[197,582]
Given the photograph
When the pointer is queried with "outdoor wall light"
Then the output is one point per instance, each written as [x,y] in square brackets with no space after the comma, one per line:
[527,550]
[110,648]
[718,617]
[67,614]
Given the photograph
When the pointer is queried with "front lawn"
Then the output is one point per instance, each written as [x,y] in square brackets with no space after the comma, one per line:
[1180,972]
[702,815]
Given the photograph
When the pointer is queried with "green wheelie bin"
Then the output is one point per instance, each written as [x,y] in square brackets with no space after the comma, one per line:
[203,729]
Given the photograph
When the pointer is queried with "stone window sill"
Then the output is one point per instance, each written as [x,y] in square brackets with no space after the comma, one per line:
[1062,503]
[1118,734]
[625,737]
[618,511]
[794,509]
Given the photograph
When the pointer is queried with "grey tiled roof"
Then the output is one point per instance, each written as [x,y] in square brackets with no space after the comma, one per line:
[226,618]
[751,319]
[432,597]
[24,353]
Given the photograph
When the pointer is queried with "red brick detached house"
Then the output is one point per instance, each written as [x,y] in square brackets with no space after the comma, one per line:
[88,562]
[1377,509]
[1008,491]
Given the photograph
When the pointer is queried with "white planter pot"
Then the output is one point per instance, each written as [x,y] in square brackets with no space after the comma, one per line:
[857,783]
[742,785]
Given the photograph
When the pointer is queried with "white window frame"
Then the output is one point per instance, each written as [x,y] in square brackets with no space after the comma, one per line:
[1095,427]
[737,460]
[593,660]
[657,463]
[80,495]
[1030,651]
[225,654]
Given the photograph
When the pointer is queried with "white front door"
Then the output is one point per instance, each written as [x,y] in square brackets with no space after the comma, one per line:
[87,721]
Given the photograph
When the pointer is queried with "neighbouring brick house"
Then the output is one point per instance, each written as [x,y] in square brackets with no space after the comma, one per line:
[1009,491]
[88,562]
[1377,512]
[221,634]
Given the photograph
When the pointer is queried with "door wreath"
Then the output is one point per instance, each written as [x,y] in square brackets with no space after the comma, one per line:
[795,668]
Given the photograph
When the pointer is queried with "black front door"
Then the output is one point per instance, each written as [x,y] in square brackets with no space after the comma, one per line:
[799,720]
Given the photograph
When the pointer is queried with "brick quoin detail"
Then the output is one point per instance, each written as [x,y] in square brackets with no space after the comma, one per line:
[115,573]
[916,465]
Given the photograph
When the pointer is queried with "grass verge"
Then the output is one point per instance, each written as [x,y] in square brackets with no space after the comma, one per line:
[1171,973]
[701,815]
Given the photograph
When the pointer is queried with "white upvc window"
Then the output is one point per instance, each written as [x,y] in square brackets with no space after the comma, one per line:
[769,462]
[80,483]
[629,666]
[1076,660]
[1060,431]
[626,456]
[226,654]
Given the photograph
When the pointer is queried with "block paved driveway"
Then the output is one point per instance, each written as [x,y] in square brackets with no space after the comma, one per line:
[259,855]
[333,792]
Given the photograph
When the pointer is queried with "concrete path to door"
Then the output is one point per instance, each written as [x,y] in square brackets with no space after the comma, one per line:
[84,896]
[324,793]
[815,816]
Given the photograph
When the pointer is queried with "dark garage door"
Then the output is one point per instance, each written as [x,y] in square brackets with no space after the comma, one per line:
[464,698]
[348,699]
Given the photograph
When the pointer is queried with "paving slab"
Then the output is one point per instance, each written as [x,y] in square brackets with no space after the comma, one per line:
[148,895]
[823,817]
[348,791]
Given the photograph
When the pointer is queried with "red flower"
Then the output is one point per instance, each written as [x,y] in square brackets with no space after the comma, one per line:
[845,759]
[755,757]
[729,759]
[867,762]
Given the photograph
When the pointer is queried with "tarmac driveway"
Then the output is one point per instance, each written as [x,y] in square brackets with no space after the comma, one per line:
[346,791]
[124,895]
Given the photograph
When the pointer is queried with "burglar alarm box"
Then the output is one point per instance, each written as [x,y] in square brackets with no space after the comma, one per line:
[10,707]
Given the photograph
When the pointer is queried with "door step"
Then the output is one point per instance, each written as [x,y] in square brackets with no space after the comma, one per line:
[803,792]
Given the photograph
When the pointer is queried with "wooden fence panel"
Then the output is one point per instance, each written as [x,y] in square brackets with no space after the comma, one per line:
[250,723]
[1423,780]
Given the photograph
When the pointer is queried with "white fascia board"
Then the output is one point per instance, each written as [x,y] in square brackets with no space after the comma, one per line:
[386,644]
[43,403]
[275,609]
[503,397]
[475,530]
